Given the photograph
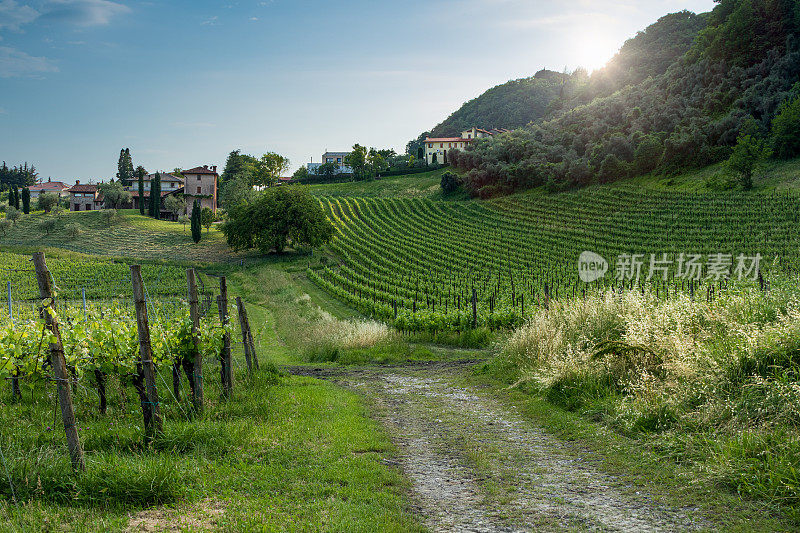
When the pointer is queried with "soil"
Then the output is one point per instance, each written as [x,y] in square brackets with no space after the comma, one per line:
[476,465]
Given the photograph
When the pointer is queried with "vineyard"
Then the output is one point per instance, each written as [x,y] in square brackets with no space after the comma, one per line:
[432,265]
[84,339]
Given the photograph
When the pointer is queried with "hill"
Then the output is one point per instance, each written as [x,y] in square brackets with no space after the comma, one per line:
[511,105]
[676,97]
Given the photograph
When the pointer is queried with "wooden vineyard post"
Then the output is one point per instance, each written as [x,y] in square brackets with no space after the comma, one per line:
[194,313]
[247,337]
[59,364]
[150,407]
[225,356]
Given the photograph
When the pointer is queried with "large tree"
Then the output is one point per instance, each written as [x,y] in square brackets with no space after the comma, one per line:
[125,172]
[20,175]
[114,194]
[155,195]
[237,164]
[748,155]
[357,160]
[269,168]
[277,218]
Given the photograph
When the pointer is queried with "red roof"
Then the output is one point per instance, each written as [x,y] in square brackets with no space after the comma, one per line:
[83,187]
[200,170]
[49,186]
[447,140]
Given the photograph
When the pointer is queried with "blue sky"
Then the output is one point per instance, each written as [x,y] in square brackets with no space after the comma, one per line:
[182,83]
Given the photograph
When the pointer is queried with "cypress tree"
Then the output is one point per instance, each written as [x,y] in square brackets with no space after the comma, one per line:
[197,230]
[155,193]
[140,172]
[26,200]
[15,191]
[125,167]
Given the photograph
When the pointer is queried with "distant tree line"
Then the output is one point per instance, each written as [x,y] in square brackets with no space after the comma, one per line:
[23,175]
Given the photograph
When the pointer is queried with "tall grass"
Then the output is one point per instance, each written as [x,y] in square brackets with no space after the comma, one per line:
[716,384]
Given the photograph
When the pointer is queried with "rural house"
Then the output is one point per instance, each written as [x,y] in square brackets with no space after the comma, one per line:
[200,183]
[337,158]
[84,197]
[58,187]
[436,148]
[170,184]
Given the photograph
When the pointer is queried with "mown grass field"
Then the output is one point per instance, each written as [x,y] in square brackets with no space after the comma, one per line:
[422,185]
[131,235]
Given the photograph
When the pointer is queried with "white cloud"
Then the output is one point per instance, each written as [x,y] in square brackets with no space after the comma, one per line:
[84,12]
[210,22]
[14,15]
[17,64]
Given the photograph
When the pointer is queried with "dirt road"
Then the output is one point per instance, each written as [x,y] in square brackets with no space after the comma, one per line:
[479,466]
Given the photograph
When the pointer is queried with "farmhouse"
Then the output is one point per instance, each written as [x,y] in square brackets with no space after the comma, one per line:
[200,183]
[58,187]
[436,148]
[170,184]
[337,158]
[84,197]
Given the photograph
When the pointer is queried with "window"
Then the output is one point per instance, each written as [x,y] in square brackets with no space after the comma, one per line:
[441,145]
[198,178]
[430,145]
[198,190]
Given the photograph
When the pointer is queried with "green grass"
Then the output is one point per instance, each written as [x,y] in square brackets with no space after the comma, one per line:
[131,236]
[283,454]
[422,185]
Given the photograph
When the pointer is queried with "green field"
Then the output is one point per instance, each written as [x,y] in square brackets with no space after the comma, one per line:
[131,235]
[422,185]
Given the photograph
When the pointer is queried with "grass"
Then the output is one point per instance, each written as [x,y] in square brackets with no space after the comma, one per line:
[712,387]
[131,236]
[282,454]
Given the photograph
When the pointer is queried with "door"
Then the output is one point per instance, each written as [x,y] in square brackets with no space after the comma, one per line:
[77,207]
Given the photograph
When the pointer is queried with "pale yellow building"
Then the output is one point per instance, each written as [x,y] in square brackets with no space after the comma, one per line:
[437,148]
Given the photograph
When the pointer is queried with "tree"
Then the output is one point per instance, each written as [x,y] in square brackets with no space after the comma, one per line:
[235,191]
[238,164]
[140,174]
[155,196]
[300,174]
[26,200]
[73,230]
[46,225]
[125,173]
[183,219]
[20,175]
[197,231]
[327,170]
[47,201]
[109,216]
[451,182]
[174,204]
[748,155]
[357,160]
[269,168]
[115,194]
[13,214]
[277,218]
[376,162]
[5,225]
[206,218]
[13,198]
[786,129]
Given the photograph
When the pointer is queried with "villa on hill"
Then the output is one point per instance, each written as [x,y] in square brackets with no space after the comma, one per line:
[436,148]
[57,187]
[85,197]
[336,158]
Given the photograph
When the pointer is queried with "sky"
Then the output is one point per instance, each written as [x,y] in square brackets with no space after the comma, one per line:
[182,83]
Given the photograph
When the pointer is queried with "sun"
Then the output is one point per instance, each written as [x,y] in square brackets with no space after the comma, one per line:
[591,47]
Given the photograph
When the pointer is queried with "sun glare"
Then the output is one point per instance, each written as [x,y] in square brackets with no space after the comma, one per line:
[591,48]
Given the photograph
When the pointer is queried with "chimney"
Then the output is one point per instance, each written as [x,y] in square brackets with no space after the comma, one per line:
[205,167]
[77,182]
[214,168]
[48,180]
